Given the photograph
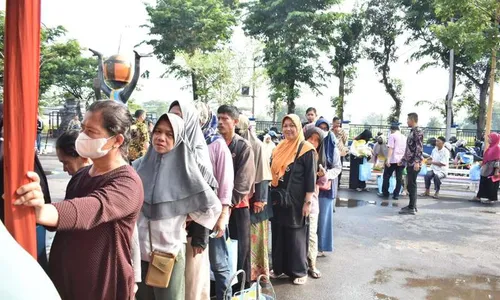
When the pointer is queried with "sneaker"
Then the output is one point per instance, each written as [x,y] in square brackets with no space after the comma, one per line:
[407,211]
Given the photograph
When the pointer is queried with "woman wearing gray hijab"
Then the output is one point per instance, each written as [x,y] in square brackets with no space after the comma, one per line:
[174,188]
[194,137]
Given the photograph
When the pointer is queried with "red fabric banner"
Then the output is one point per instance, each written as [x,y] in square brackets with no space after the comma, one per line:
[22,60]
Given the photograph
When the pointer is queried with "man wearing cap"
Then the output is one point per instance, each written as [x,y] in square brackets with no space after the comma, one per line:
[397,146]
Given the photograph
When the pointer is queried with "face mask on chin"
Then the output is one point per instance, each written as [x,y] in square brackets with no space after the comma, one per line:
[91,148]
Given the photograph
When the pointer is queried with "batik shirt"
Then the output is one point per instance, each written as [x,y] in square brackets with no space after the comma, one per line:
[414,147]
[139,140]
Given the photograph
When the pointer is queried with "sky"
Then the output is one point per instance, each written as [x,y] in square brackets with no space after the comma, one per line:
[98,24]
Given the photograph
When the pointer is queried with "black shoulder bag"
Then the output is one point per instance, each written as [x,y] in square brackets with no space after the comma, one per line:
[281,197]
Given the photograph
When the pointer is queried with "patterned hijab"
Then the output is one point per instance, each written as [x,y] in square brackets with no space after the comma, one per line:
[285,152]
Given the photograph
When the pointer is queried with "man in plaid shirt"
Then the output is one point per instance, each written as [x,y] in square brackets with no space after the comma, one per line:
[412,160]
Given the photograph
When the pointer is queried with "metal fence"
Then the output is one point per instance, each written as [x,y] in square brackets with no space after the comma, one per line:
[468,135]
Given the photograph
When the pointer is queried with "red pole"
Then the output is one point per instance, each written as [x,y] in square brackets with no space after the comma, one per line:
[22,60]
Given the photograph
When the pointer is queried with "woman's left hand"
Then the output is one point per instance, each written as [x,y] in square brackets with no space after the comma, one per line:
[197,250]
[31,193]
[258,207]
[306,209]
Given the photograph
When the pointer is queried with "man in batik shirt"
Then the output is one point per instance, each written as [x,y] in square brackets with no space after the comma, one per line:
[412,160]
[139,141]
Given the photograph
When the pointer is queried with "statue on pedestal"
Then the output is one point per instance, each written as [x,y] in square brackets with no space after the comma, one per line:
[115,76]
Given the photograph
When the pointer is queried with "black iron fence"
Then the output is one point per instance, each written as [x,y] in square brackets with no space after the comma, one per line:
[468,135]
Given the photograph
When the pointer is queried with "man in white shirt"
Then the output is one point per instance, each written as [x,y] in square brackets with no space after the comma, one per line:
[439,162]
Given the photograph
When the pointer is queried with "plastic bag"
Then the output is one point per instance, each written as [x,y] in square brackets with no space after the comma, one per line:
[423,170]
[365,170]
[475,173]
[392,184]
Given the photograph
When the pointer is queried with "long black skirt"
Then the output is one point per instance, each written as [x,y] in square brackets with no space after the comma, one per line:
[354,181]
[488,189]
[290,250]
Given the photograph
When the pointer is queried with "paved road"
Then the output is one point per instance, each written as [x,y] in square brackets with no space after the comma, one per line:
[450,250]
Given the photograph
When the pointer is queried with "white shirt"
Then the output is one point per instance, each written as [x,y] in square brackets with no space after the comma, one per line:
[441,156]
[169,235]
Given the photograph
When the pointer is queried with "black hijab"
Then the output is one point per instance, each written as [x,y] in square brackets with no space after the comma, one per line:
[365,135]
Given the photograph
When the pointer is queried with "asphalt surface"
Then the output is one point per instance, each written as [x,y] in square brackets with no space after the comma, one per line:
[449,250]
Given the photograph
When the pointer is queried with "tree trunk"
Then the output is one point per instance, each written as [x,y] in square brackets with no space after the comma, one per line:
[389,87]
[340,103]
[195,86]
[481,118]
[290,96]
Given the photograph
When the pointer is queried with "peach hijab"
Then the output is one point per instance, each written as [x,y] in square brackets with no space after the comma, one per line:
[285,152]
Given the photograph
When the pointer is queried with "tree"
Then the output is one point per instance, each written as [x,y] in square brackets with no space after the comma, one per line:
[347,53]
[374,119]
[62,66]
[473,30]
[156,107]
[219,75]
[435,122]
[440,107]
[133,106]
[294,33]
[68,71]
[383,26]
[466,27]
[187,26]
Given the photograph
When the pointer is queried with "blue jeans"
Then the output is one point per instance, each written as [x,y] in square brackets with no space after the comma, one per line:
[38,141]
[219,263]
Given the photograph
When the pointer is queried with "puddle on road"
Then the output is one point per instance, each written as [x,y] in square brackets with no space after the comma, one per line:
[460,287]
[352,203]
[384,297]
[466,287]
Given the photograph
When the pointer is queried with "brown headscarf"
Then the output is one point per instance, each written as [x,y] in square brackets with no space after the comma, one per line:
[285,152]
[262,168]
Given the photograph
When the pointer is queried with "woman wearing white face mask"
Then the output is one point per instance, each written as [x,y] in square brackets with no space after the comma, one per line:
[91,256]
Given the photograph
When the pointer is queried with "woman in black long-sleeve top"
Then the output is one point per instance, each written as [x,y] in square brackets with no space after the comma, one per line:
[290,222]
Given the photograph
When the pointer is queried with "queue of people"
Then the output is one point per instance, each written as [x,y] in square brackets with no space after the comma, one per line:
[150,219]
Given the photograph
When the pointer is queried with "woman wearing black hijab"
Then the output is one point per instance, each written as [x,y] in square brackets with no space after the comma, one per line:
[42,255]
[359,151]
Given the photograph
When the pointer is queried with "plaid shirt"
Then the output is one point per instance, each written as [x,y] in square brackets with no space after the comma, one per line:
[341,141]
[414,147]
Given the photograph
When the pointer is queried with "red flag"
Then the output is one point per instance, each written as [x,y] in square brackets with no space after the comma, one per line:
[22,60]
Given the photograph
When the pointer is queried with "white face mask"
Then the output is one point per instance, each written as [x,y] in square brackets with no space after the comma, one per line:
[91,148]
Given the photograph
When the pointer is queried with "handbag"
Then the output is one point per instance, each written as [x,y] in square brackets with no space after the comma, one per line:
[161,265]
[280,196]
[327,186]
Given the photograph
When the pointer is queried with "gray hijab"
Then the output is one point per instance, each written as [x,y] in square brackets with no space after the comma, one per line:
[173,182]
[196,140]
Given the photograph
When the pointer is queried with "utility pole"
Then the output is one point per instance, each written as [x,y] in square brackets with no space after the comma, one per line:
[253,87]
[449,97]
[489,111]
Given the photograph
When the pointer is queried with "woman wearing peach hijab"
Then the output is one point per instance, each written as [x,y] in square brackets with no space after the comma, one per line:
[291,214]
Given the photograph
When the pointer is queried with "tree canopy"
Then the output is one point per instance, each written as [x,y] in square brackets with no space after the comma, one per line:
[294,34]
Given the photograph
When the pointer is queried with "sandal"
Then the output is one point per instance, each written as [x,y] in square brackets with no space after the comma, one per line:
[300,280]
[315,273]
[321,254]
[424,195]
[436,196]
[475,199]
